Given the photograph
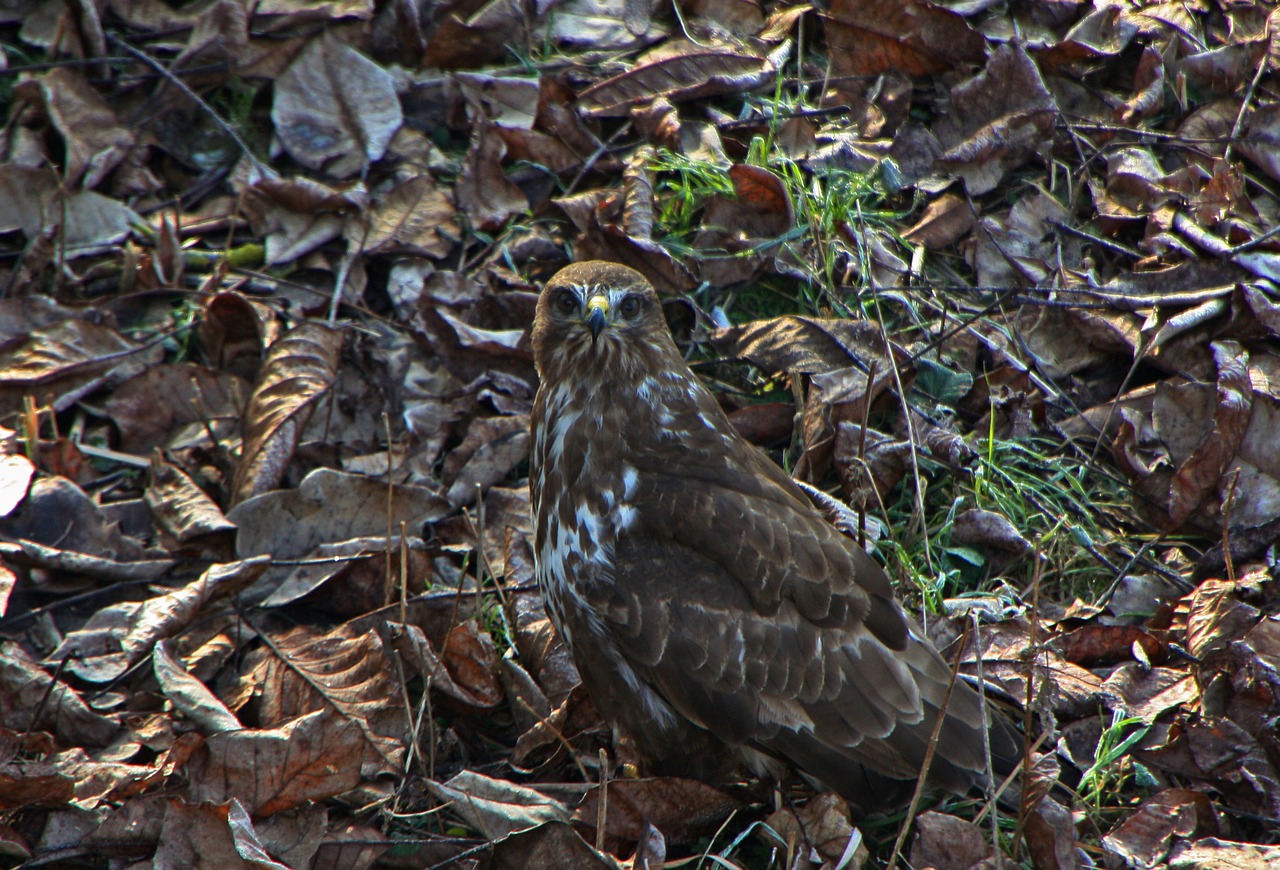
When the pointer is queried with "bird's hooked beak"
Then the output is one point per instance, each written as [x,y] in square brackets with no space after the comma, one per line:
[597,315]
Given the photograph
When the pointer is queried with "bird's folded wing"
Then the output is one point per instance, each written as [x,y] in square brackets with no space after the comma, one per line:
[765,534]
[761,622]
[777,680]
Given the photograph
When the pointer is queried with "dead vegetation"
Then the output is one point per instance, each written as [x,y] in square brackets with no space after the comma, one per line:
[1002,276]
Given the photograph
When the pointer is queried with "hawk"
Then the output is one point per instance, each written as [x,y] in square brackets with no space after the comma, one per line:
[706,600]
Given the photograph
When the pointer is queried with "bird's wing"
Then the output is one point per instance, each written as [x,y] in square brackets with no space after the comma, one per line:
[758,621]
[750,518]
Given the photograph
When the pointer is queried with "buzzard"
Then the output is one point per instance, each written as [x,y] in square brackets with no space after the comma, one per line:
[705,598]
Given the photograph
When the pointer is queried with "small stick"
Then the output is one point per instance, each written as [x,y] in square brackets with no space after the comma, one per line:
[602,808]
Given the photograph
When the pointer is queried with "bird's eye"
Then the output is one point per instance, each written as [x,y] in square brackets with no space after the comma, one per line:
[567,301]
[630,306]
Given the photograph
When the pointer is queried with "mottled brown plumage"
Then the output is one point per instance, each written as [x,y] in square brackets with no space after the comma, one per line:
[704,597]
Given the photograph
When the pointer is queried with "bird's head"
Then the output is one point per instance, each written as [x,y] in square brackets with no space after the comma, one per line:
[601,315]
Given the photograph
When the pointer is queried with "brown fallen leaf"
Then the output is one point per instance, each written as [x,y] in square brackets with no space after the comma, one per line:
[120,635]
[299,369]
[1171,816]
[682,809]
[335,109]
[869,37]
[945,221]
[948,843]
[271,770]
[497,808]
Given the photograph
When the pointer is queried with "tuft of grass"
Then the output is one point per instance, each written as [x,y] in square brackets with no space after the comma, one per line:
[1051,499]
[683,190]
[1112,771]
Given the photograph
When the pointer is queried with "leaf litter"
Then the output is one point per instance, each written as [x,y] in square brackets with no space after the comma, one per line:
[999,277]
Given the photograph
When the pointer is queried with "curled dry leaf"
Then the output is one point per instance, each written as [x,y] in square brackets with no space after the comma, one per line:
[602,24]
[96,142]
[82,224]
[573,726]
[500,444]
[759,212]
[467,670]
[360,563]
[210,835]
[506,101]
[1146,693]
[470,656]
[1217,616]
[58,363]
[234,332]
[1051,836]
[1104,32]
[807,345]
[198,401]
[415,218]
[92,783]
[497,808]
[1069,690]
[1212,853]
[35,555]
[528,703]
[1260,141]
[682,74]
[8,580]
[835,398]
[181,508]
[469,36]
[869,463]
[119,636]
[553,844]
[295,215]
[823,825]
[189,695]
[651,851]
[638,180]
[81,526]
[945,221]
[299,369]
[1098,645]
[985,528]
[1005,116]
[1184,456]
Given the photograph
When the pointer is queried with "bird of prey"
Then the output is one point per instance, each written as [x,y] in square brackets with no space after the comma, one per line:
[711,608]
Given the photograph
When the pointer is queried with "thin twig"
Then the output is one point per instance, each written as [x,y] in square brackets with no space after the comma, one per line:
[1244,105]
[602,807]
[199,101]
[1226,525]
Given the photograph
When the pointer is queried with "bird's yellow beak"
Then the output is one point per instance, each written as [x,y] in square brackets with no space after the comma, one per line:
[597,315]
